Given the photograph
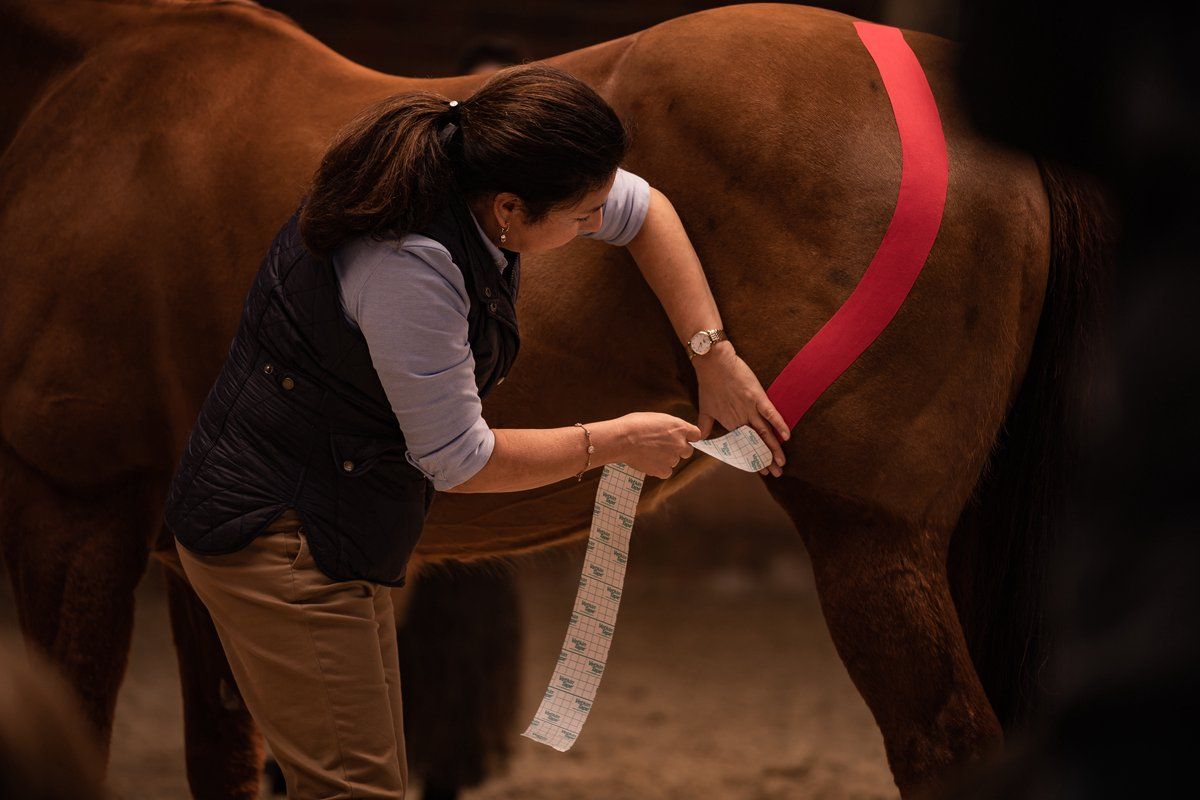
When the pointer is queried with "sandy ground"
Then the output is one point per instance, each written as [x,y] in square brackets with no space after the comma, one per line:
[722,680]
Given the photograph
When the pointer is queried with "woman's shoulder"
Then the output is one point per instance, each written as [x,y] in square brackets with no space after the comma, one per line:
[366,250]
[411,265]
[359,258]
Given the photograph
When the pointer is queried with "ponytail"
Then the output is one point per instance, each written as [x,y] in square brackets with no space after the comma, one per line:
[386,171]
[530,129]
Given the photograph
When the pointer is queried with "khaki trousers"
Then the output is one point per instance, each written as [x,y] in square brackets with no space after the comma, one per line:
[315,660]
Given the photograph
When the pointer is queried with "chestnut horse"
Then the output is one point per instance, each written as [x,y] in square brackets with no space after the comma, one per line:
[151,151]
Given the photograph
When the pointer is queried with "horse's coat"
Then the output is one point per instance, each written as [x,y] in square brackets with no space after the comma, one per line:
[147,155]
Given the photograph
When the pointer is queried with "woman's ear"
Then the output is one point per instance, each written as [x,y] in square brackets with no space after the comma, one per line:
[516,207]
[507,205]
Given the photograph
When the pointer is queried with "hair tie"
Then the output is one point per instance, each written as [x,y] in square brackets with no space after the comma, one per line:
[455,121]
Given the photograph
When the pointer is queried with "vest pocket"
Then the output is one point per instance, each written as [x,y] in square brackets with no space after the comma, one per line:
[354,454]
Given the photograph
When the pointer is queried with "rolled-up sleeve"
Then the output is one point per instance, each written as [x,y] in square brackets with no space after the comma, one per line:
[412,310]
[624,209]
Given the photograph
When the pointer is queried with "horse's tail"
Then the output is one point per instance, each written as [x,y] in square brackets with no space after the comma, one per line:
[1007,533]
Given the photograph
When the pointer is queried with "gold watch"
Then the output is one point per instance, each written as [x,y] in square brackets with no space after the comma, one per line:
[702,341]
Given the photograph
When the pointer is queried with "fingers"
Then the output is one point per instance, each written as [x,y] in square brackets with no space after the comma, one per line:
[693,434]
[768,411]
[690,436]
[767,434]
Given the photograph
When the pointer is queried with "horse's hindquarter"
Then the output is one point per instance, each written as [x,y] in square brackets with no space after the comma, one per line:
[770,130]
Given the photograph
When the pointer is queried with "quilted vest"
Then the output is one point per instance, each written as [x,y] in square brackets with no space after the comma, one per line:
[298,418]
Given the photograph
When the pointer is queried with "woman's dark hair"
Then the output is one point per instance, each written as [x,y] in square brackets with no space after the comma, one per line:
[530,129]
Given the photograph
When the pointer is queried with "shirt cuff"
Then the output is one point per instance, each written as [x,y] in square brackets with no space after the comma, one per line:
[624,210]
[460,459]
[639,196]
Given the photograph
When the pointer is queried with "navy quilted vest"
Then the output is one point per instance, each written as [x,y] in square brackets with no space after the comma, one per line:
[298,417]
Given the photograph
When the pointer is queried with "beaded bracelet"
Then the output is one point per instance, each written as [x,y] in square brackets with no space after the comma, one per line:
[590,449]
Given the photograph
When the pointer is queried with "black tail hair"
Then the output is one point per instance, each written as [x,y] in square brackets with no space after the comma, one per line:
[1008,532]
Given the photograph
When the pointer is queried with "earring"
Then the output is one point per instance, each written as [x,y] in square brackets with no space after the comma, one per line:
[504,233]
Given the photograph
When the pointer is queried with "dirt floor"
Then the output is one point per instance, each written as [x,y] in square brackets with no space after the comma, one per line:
[722,680]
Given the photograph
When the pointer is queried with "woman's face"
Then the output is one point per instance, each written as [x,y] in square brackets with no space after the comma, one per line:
[557,228]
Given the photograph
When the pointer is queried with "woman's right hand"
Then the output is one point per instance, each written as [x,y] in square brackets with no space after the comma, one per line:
[653,443]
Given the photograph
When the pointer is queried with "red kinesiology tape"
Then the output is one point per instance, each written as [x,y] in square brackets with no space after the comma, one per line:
[906,244]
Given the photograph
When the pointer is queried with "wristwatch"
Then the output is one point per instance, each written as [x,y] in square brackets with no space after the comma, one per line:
[702,341]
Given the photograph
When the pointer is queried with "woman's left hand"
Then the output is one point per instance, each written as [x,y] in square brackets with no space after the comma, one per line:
[731,394]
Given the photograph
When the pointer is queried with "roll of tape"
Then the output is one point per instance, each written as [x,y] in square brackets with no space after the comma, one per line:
[581,661]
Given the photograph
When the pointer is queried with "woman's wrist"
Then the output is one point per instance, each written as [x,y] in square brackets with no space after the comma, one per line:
[719,353]
[589,449]
[608,438]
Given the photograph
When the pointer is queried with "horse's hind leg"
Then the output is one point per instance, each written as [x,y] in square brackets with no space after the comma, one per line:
[224,748]
[74,563]
[885,596]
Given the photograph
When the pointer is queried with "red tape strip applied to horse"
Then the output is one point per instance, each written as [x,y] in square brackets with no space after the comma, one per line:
[906,244]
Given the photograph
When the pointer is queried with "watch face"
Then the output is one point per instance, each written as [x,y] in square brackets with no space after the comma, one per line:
[700,343]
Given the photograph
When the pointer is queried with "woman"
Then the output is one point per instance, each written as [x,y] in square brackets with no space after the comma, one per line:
[383,312]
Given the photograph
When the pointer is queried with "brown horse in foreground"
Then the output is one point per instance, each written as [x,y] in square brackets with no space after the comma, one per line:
[150,151]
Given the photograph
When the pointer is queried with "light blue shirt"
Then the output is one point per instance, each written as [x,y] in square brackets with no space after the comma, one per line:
[408,299]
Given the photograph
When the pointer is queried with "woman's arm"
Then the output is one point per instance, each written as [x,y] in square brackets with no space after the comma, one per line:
[527,457]
[729,391]
[641,218]
[524,458]
[667,260]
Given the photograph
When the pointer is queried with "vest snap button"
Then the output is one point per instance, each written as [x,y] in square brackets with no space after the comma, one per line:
[348,466]
[492,307]
[267,368]
[487,291]
[288,383]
